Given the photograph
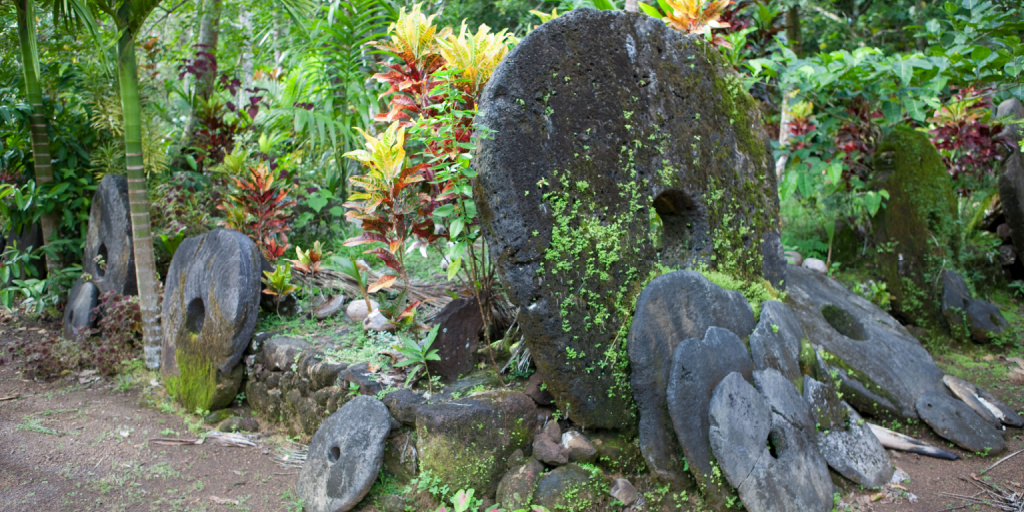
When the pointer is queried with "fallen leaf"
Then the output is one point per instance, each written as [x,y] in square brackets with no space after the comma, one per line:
[877,496]
[222,501]
[989,357]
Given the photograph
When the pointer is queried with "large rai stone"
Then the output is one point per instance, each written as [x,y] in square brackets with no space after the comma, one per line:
[764,441]
[672,308]
[109,256]
[697,367]
[880,366]
[617,142]
[775,342]
[211,301]
[956,421]
[345,456]
[78,315]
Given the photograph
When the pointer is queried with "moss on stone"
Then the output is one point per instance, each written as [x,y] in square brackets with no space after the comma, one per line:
[196,382]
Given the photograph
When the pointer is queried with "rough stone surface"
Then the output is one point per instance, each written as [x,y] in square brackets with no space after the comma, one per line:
[697,367]
[345,456]
[1013,109]
[578,447]
[403,404]
[211,301]
[984,320]
[1011,194]
[599,113]
[78,315]
[457,339]
[110,238]
[919,218]
[617,454]
[466,442]
[844,439]
[568,487]
[329,307]
[624,491]
[775,342]
[764,441]
[880,366]
[794,258]
[983,402]
[549,452]
[955,421]
[673,307]
[279,353]
[360,375]
[815,264]
[533,390]
[516,488]
[400,455]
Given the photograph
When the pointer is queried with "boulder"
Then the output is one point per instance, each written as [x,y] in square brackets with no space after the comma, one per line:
[624,491]
[578,447]
[570,488]
[403,404]
[764,441]
[1011,194]
[360,375]
[549,452]
[281,352]
[78,315]
[1014,110]
[955,421]
[466,442]
[345,456]
[329,307]
[516,488]
[211,301]
[879,365]
[697,368]
[982,402]
[816,265]
[537,390]
[617,454]
[400,455]
[109,256]
[623,142]
[672,308]
[845,439]
[984,320]
[775,342]
[457,339]
[919,221]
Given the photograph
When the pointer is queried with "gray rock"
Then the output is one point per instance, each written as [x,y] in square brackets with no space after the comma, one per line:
[793,258]
[568,487]
[466,442]
[880,366]
[697,367]
[1014,110]
[533,390]
[552,431]
[983,403]
[457,339]
[1011,194]
[845,439]
[322,374]
[345,456]
[673,307]
[578,447]
[775,342]
[211,303]
[549,452]
[955,293]
[815,264]
[615,117]
[110,238]
[403,404]
[280,352]
[239,424]
[624,491]
[329,307]
[360,375]
[955,421]
[78,315]
[516,488]
[377,322]
[764,441]
[400,454]
[984,320]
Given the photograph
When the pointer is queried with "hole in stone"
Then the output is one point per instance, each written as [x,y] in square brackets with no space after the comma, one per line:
[994,319]
[773,449]
[101,261]
[843,322]
[195,313]
[672,223]
[334,454]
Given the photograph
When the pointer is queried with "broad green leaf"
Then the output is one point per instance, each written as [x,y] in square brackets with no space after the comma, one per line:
[453,268]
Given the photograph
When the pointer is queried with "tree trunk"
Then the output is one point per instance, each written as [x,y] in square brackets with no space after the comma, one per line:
[138,194]
[793,32]
[209,32]
[40,136]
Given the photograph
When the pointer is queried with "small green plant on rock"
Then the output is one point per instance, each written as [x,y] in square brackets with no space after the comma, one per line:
[418,354]
[279,284]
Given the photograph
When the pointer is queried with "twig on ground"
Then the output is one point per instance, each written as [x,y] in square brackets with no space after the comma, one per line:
[1000,461]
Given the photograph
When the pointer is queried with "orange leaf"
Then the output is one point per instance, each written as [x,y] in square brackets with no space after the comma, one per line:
[385,281]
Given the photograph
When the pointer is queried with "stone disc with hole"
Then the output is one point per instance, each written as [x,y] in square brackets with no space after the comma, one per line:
[957,422]
[617,143]
[78,315]
[764,441]
[345,456]
[673,308]
[109,256]
[211,302]
[775,342]
[880,366]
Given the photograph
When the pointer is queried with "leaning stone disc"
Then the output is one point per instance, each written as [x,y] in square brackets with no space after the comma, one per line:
[955,421]
[606,126]
[78,315]
[211,301]
[109,256]
[345,456]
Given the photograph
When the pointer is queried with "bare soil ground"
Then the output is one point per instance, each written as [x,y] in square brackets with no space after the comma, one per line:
[76,445]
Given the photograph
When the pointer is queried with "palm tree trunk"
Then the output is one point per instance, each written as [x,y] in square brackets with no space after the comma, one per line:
[40,135]
[138,194]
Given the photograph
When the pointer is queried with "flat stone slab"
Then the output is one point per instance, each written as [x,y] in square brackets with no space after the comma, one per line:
[955,421]
[845,439]
[775,342]
[982,402]
[603,121]
[109,256]
[697,368]
[345,456]
[78,315]
[672,308]
[764,442]
[881,367]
